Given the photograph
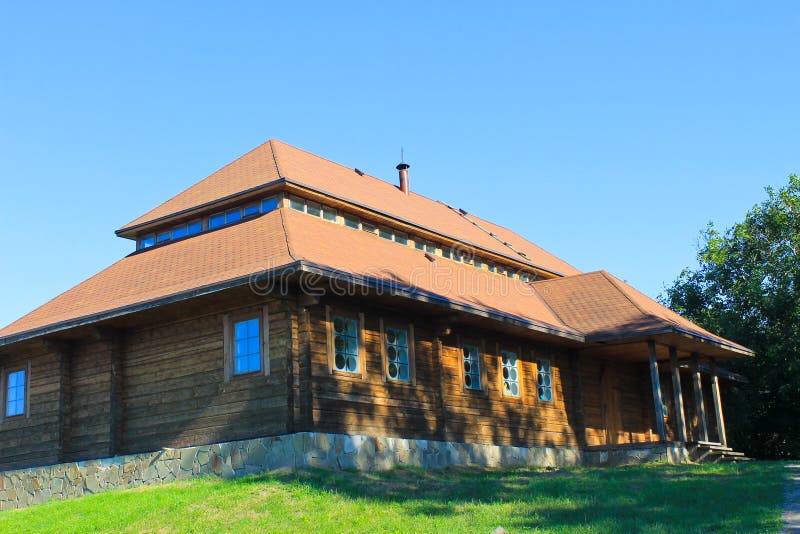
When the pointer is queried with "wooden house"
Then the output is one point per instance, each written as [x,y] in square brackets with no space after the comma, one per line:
[286,293]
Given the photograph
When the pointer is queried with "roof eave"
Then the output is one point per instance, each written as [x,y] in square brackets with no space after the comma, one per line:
[606,337]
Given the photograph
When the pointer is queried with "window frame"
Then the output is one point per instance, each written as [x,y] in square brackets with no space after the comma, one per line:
[4,374]
[481,346]
[384,325]
[229,339]
[517,351]
[362,353]
[552,400]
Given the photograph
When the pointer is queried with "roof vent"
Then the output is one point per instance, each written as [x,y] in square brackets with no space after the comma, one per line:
[359,171]
[403,168]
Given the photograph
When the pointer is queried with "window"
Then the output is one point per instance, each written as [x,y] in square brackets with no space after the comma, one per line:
[478,262]
[269,204]
[510,364]
[472,367]
[249,211]
[312,208]
[233,216]
[216,221]
[544,380]
[368,228]
[247,346]
[385,233]
[297,204]
[163,236]
[401,238]
[490,267]
[446,252]
[329,214]
[351,222]
[398,360]
[15,393]
[179,232]
[419,245]
[195,227]
[147,242]
[345,344]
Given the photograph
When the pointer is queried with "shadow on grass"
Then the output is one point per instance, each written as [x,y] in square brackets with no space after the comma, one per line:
[664,498]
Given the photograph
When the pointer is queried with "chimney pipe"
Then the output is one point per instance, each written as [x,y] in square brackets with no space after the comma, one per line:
[403,168]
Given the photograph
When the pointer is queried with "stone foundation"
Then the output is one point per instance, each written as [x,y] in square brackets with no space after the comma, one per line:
[24,487]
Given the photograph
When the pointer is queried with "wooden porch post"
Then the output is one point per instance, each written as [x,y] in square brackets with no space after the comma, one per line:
[659,407]
[718,404]
[697,383]
[680,419]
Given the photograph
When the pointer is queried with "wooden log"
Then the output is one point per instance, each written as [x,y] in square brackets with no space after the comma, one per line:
[718,404]
[680,417]
[697,384]
[657,399]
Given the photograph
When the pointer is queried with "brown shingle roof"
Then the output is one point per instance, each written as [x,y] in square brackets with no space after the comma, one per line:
[278,239]
[275,159]
[604,307]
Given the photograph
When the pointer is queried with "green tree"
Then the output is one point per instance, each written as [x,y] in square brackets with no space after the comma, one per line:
[747,289]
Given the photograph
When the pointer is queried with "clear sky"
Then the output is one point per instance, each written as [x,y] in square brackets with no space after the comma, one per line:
[608,133]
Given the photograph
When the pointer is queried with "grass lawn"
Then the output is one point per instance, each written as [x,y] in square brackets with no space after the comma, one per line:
[654,498]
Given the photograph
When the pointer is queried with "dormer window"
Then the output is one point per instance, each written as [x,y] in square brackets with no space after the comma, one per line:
[195,227]
[147,242]
[179,232]
[268,205]
[249,211]
[163,236]
[233,216]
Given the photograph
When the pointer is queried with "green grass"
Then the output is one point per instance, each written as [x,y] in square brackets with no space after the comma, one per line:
[655,498]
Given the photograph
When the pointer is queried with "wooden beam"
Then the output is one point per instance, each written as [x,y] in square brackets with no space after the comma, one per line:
[697,384]
[680,418]
[718,404]
[657,398]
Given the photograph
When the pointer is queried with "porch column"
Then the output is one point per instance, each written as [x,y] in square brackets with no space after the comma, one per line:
[680,419]
[698,398]
[718,404]
[659,406]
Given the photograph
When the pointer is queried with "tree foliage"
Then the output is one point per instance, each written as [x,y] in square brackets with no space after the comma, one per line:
[747,289]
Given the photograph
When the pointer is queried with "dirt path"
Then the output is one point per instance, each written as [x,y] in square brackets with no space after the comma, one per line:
[791,511]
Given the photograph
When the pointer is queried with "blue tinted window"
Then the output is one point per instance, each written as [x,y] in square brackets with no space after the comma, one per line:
[163,236]
[147,242]
[179,231]
[233,216]
[269,205]
[247,346]
[195,227]
[297,204]
[251,210]
[15,394]
[216,220]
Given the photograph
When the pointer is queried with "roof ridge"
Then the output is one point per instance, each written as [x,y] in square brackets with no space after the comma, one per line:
[362,174]
[286,234]
[613,281]
[274,157]
[554,312]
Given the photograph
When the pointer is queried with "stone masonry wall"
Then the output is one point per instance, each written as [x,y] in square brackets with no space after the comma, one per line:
[22,488]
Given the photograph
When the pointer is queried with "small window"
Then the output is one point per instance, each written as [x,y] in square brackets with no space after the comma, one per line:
[247,346]
[233,216]
[351,222]
[419,245]
[15,393]
[446,252]
[472,367]
[368,228]
[312,208]
[147,241]
[329,214]
[385,233]
[401,238]
[216,220]
[179,232]
[397,354]
[297,204]
[510,364]
[478,262]
[430,248]
[345,344]
[490,266]
[163,236]
[544,380]
[269,204]
[249,211]
[195,227]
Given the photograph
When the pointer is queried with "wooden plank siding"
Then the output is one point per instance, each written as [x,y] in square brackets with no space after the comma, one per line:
[175,389]
[33,439]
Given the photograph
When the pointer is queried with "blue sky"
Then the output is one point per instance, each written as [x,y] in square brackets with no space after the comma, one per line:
[608,133]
